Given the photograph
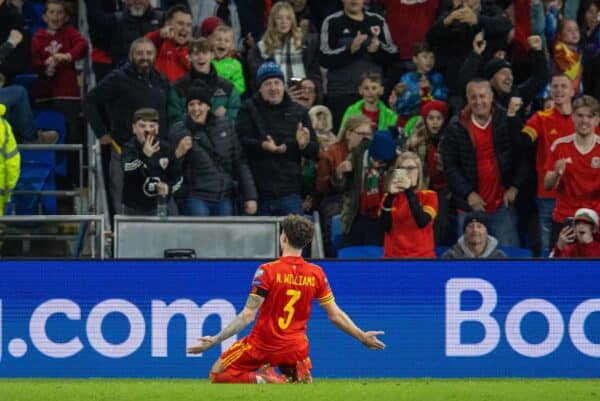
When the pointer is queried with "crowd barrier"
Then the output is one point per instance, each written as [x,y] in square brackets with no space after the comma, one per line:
[441,318]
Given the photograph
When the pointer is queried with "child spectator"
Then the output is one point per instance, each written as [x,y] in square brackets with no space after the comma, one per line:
[408,211]
[371,90]
[225,101]
[322,122]
[227,66]
[151,173]
[171,43]
[567,57]
[419,86]
[54,51]
[580,238]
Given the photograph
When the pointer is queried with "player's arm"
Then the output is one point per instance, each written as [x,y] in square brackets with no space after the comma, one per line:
[343,322]
[241,321]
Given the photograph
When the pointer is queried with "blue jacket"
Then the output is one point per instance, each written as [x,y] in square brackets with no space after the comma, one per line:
[409,101]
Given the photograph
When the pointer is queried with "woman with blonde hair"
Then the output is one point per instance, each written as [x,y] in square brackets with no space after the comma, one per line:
[335,160]
[285,43]
[408,211]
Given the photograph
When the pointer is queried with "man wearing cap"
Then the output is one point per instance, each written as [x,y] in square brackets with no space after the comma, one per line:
[276,133]
[581,239]
[499,72]
[363,186]
[212,160]
[479,161]
[475,242]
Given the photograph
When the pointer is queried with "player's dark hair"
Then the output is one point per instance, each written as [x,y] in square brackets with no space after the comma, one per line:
[421,47]
[57,2]
[298,230]
[178,8]
[371,76]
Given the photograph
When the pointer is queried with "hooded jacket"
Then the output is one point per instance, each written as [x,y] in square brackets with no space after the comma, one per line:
[460,250]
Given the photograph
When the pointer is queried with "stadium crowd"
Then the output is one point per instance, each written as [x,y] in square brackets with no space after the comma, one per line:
[470,125]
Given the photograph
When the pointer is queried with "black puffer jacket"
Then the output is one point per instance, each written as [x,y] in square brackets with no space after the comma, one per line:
[14,60]
[214,162]
[276,174]
[460,160]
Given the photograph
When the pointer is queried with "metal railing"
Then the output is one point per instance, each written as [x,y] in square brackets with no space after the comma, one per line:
[89,226]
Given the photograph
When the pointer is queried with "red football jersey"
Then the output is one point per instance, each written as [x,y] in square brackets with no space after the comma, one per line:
[580,184]
[289,286]
[544,127]
[406,239]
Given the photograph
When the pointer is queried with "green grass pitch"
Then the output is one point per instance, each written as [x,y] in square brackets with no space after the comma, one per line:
[322,389]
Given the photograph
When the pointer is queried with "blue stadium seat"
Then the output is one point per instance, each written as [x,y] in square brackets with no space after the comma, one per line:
[336,231]
[51,120]
[35,176]
[26,81]
[361,252]
[514,252]
[439,250]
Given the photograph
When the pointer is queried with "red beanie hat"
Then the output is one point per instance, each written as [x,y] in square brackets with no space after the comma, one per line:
[209,24]
[431,105]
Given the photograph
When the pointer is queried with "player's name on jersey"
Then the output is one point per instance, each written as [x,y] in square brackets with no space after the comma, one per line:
[294,279]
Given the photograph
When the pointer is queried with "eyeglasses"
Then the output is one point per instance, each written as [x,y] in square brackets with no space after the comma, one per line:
[308,89]
[363,133]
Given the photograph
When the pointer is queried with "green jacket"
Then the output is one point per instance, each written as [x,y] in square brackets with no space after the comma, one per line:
[231,69]
[224,94]
[10,161]
[387,117]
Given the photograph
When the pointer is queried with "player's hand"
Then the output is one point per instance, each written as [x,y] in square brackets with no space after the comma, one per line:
[162,188]
[167,32]
[206,343]
[371,341]
[535,42]
[357,42]
[15,37]
[105,139]
[184,145]
[374,45]
[269,145]
[250,207]
[560,166]
[566,237]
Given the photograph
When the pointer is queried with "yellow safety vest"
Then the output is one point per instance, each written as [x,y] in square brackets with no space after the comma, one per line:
[10,161]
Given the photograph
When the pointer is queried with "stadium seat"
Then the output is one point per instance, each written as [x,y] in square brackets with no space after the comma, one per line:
[514,252]
[361,252]
[26,81]
[51,120]
[439,250]
[35,176]
[336,231]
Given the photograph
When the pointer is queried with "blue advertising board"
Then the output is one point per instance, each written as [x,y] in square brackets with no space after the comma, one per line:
[441,318]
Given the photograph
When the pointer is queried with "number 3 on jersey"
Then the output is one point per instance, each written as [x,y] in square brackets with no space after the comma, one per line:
[289,308]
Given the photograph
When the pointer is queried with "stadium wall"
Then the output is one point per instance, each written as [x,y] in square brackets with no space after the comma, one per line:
[442,319]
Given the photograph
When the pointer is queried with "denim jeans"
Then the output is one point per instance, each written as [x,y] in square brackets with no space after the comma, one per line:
[19,113]
[502,224]
[199,207]
[290,204]
[545,208]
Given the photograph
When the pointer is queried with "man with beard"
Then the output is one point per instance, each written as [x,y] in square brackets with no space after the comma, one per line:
[476,242]
[113,33]
[134,86]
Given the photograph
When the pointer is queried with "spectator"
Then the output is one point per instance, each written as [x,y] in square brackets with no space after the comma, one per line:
[276,133]
[151,172]
[417,87]
[409,22]
[579,239]
[322,122]
[543,128]
[334,160]
[134,86]
[10,161]
[500,74]
[371,90]
[479,161]
[14,56]
[286,44]
[425,142]
[213,161]
[306,93]
[54,51]
[408,211]
[171,42]
[20,116]
[361,178]
[573,163]
[452,34]
[225,100]
[225,62]
[567,57]
[225,10]
[307,20]
[113,33]
[475,241]
[353,42]
[590,34]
